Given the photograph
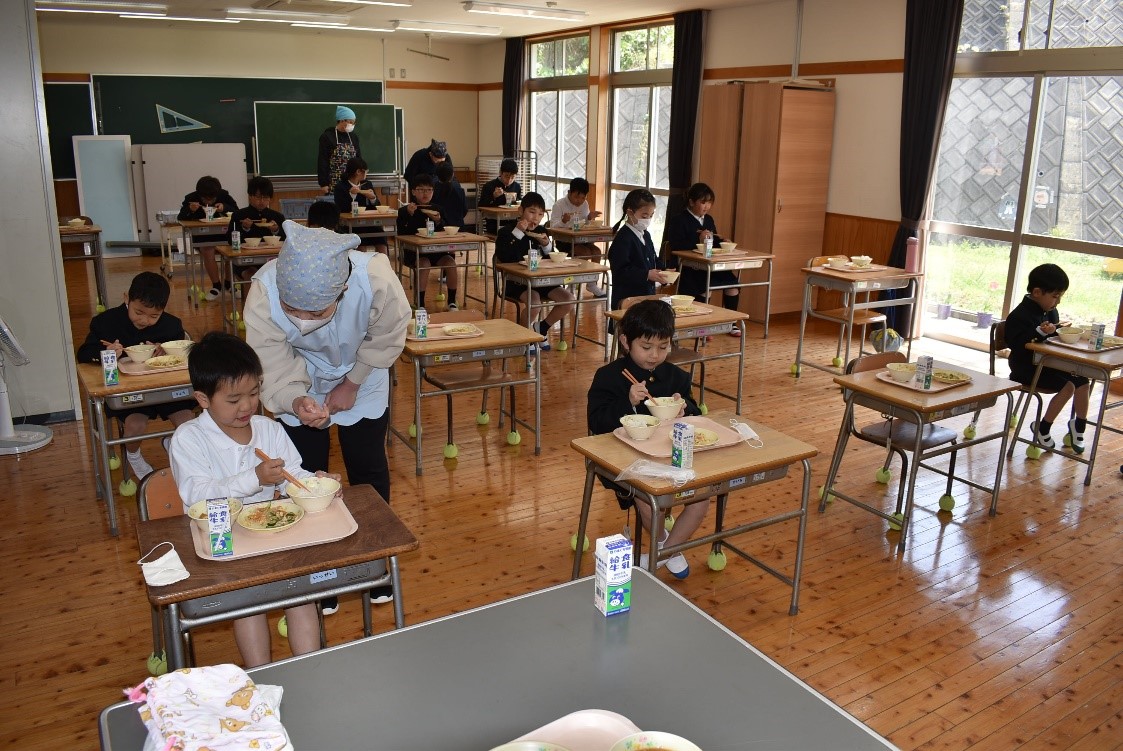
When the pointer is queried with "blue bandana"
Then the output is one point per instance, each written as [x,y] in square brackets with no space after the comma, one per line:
[313,267]
[344,113]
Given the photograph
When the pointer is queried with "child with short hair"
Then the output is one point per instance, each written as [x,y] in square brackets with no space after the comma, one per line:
[1035,319]
[354,187]
[411,218]
[575,206]
[512,245]
[323,215]
[636,268]
[684,231]
[493,193]
[256,220]
[449,194]
[213,457]
[645,334]
[208,192]
[141,319]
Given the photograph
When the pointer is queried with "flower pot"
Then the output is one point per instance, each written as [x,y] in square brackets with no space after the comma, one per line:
[984,320]
[943,310]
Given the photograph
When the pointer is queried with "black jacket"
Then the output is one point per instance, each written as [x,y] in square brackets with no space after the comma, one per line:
[343,197]
[1021,329]
[327,148]
[420,163]
[485,198]
[453,201]
[608,393]
[185,212]
[114,325]
[249,212]
[631,259]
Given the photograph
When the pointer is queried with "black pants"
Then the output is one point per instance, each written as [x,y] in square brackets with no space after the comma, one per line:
[364,451]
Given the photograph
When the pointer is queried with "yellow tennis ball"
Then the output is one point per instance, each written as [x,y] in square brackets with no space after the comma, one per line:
[413,430]
[157,664]
[717,561]
[127,487]
[573,543]
[283,627]
[836,361]
[795,368]
[513,438]
[451,451]
[114,462]
[483,418]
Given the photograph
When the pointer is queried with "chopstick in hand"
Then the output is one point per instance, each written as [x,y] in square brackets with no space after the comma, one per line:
[284,472]
[630,377]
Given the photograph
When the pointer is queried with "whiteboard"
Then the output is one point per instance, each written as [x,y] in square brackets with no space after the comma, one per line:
[105,189]
[171,169]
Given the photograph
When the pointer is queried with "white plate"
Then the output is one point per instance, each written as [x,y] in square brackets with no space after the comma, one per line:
[245,522]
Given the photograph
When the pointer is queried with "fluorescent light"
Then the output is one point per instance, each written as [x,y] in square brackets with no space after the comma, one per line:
[92,10]
[524,11]
[178,18]
[284,16]
[433,27]
[341,28]
[395,3]
[125,7]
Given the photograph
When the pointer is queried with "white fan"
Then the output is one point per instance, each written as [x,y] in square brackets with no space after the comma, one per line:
[28,437]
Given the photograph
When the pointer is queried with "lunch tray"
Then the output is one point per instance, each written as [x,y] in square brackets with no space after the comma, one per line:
[659,444]
[436,333]
[1083,345]
[330,525]
[914,385]
[128,367]
[850,268]
[699,310]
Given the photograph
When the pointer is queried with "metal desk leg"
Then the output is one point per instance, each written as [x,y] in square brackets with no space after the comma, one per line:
[917,449]
[802,325]
[741,363]
[538,411]
[794,607]
[103,451]
[582,524]
[399,607]
[839,450]
[173,638]
[768,298]
[417,368]
[1001,454]
[1099,426]
[99,271]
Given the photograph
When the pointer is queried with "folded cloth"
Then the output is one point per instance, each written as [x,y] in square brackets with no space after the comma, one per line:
[216,707]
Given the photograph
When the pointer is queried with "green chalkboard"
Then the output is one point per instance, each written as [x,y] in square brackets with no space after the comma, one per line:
[288,134]
[69,113]
[188,109]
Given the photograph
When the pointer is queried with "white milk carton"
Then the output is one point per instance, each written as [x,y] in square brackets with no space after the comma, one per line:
[532,257]
[1096,336]
[421,323]
[682,445]
[924,369]
[221,534]
[613,584]
[110,375]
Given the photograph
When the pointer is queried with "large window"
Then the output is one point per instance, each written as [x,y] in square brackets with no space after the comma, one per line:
[641,117]
[559,112]
[1030,166]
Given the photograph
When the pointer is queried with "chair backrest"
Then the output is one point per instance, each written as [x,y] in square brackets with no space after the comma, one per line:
[997,341]
[456,316]
[822,260]
[874,362]
[158,496]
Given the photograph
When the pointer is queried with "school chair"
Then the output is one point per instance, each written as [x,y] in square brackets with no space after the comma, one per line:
[685,357]
[862,318]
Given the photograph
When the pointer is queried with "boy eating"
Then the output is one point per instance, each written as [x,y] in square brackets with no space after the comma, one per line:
[645,334]
[575,206]
[411,218]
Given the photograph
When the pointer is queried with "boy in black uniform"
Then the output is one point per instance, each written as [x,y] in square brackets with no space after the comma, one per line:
[139,320]
[493,192]
[448,193]
[256,220]
[411,218]
[208,192]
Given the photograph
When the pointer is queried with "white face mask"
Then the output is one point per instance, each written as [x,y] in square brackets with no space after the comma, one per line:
[348,127]
[641,224]
[305,326]
[167,569]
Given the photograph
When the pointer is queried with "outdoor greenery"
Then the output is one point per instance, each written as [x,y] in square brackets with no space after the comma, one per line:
[644,49]
[560,57]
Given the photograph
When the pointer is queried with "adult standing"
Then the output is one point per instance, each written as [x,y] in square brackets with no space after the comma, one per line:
[425,161]
[337,146]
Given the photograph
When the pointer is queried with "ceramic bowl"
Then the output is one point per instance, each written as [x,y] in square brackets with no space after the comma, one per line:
[728,246]
[321,491]
[559,257]
[701,247]
[271,240]
[178,347]
[452,230]
[77,222]
[639,427]
[902,372]
[682,300]
[861,261]
[198,513]
[655,741]
[1069,334]
[140,352]
[664,407]
[837,263]
[251,242]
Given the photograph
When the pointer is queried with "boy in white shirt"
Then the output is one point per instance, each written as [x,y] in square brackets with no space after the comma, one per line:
[213,457]
[575,206]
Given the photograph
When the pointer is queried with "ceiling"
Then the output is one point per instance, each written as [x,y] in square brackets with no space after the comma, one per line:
[378,17]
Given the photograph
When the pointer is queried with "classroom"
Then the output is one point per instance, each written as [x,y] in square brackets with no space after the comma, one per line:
[991,621]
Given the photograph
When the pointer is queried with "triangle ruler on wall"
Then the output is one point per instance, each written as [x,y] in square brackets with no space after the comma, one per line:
[173,122]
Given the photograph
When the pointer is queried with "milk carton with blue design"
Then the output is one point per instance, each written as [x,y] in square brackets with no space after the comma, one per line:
[613,584]
[682,445]
[221,532]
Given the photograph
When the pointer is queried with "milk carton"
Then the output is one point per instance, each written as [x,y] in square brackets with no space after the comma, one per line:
[356,208]
[682,445]
[708,244]
[236,240]
[924,369]
[532,258]
[613,586]
[109,367]
[1096,336]
[221,534]
[430,228]
[421,323]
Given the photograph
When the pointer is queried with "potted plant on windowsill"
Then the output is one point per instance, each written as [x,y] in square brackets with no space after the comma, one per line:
[943,309]
[984,319]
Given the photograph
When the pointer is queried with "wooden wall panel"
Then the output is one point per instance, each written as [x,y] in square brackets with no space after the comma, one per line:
[66,198]
[848,235]
[720,139]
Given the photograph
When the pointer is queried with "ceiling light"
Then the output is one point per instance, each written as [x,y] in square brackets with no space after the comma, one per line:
[116,7]
[178,18]
[283,16]
[433,27]
[395,3]
[92,10]
[525,11]
[342,28]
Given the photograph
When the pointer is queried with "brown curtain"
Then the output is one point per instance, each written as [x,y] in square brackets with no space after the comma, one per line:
[514,77]
[686,87]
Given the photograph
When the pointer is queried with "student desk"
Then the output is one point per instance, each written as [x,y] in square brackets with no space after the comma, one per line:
[541,656]
[385,223]
[921,409]
[1096,366]
[718,472]
[501,340]
[89,237]
[229,260]
[717,321]
[737,261]
[590,235]
[192,261]
[572,273]
[851,284]
[444,242]
[499,214]
[132,391]
[277,580]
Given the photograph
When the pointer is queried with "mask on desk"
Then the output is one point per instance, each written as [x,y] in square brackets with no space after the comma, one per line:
[167,569]
[305,326]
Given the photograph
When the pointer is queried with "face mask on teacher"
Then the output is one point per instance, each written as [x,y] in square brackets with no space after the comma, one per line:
[348,127]
[305,326]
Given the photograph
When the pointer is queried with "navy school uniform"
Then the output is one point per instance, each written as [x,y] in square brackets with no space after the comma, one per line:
[186,214]
[343,200]
[409,225]
[512,248]
[630,259]
[452,200]
[255,215]
[486,199]
[1021,329]
[681,233]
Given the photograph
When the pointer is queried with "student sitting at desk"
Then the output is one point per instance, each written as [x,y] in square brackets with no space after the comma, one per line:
[645,334]
[494,192]
[448,193]
[571,207]
[257,219]
[323,215]
[208,192]
[635,267]
[1035,320]
[411,218]
[139,320]
[683,232]
[512,245]
[353,188]
[213,457]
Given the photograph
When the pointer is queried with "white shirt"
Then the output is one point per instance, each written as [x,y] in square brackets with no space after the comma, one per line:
[207,463]
[563,207]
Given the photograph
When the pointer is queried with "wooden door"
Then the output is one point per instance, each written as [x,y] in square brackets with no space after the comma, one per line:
[719,142]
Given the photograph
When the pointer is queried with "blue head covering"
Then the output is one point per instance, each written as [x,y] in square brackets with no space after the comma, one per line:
[313,267]
[344,113]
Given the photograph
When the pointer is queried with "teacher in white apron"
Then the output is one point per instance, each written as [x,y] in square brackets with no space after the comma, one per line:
[337,145]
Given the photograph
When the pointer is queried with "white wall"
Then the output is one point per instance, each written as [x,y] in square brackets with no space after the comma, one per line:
[32,296]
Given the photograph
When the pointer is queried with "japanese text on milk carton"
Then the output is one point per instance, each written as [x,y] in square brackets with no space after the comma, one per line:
[613,585]
[682,445]
[218,520]
[924,367]
[109,367]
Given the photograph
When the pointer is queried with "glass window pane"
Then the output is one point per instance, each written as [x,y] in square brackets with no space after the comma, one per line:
[630,50]
[1075,23]
[665,48]
[548,189]
[576,55]
[544,133]
[630,115]
[574,133]
[1078,192]
[616,210]
[1093,293]
[968,275]
[981,151]
[988,26]
[661,129]
[542,55]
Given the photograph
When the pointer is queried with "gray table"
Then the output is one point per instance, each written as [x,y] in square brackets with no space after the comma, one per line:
[478,679]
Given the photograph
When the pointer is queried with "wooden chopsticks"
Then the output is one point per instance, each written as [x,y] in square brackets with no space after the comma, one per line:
[630,377]
[284,473]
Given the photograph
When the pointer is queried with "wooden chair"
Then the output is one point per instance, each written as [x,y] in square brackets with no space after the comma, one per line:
[899,436]
[862,318]
[685,357]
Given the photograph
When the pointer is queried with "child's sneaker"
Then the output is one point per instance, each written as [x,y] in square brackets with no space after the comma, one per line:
[329,605]
[1075,437]
[678,566]
[140,467]
[544,329]
[212,294]
[1045,441]
[453,307]
[382,595]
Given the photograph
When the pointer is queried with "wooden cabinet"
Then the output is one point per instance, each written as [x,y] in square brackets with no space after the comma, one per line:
[771,180]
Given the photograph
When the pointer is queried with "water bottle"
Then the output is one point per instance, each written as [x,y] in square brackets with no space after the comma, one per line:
[430,228]
[912,255]
[532,258]
[709,245]
[236,240]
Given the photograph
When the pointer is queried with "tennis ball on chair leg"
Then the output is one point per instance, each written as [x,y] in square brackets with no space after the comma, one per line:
[669,522]
[947,503]
[1034,452]
[882,475]
[114,462]
[830,498]
[157,664]
[573,543]
[483,418]
[413,430]
[795,368]
[451,451]
[836,361]
[563,345]
[283,627]
[970,432]
[440,297]
[127,487]
[897,521]
[703,409]
[513,438]
[717,560]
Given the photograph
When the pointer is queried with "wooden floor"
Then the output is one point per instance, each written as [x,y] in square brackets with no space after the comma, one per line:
[988,633]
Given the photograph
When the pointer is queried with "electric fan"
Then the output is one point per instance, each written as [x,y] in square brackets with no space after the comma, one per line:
[28,437]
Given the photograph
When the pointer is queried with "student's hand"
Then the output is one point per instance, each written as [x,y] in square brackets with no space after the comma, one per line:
[273,227]
[194,205]
[354,190]
[704,234]
[567,218]
[1048,328]
[325,189]
[682,409]
[522,225]
[333,476]
[158,351]
[411,208]
[342,397]
[369,193]
[655,275]
[269,472]
[114,345]
[637,394]
[309,412]
[594,214]
[247,224]
[219,208]
[498,191]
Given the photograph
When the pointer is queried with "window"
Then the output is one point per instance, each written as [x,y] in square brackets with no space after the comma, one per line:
[1030,166]
[641,117]
[559,112]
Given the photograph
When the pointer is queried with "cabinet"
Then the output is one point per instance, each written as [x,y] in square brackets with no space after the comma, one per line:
[771,174]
